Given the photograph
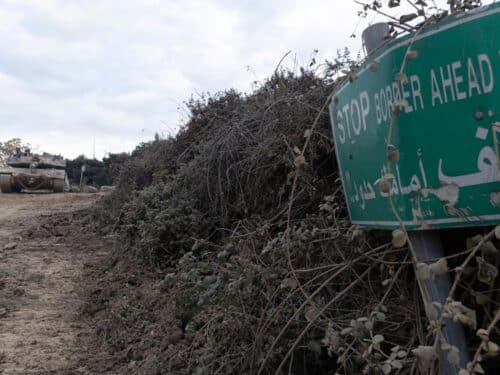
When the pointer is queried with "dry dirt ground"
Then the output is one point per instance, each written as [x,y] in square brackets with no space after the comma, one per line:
[42,258]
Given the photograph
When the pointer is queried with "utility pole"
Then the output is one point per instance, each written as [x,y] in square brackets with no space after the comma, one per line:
[82,171]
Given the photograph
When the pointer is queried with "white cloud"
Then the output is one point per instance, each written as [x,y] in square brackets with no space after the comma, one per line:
[72,70]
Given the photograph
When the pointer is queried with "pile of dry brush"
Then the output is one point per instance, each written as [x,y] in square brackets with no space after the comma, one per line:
[236,254]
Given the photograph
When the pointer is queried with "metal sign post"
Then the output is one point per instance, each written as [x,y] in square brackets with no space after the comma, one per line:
[427,245]
[82,171]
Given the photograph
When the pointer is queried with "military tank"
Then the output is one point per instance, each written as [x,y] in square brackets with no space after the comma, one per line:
[26,171]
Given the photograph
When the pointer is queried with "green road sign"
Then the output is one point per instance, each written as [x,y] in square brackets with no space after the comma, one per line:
[447,134]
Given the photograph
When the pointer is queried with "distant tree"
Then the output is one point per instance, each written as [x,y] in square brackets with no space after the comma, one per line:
[9,147]
[95,171]
[114,164]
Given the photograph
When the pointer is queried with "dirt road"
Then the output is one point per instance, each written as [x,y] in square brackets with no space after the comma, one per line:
[42,256]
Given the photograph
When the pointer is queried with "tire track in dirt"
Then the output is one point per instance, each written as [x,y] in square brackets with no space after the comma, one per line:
[42,255]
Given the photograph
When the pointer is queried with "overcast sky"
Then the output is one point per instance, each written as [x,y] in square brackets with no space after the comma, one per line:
[72,71]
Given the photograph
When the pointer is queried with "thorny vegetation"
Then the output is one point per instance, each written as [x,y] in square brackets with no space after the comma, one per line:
[239,225]
[423,12]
